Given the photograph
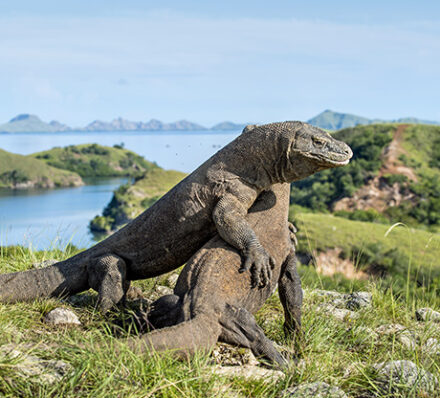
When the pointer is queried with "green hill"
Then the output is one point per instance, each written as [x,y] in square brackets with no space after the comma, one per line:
[394,176]
[17,171]
[330,120]
[93,160]
[130,200]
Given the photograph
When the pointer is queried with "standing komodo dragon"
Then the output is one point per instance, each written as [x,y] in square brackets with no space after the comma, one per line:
[214,198]
[212,302]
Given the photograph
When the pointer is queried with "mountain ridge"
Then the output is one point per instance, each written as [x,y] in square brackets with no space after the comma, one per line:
[328,119]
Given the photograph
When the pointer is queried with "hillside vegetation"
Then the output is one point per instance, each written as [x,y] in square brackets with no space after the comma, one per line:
[331,120]
[130,200]
[93,160]
[17,171]
[394,176]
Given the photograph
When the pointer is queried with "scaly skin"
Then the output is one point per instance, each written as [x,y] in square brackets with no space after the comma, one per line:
[214,198]
[212,302]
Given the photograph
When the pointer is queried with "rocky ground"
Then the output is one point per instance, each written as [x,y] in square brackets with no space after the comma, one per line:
[358,344]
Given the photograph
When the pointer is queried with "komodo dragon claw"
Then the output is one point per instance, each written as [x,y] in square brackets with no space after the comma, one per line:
[260,264]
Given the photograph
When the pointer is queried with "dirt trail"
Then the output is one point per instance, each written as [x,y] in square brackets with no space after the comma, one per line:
[391,162]
[377,194]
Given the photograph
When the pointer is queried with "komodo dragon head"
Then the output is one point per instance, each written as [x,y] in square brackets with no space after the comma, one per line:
[299,149]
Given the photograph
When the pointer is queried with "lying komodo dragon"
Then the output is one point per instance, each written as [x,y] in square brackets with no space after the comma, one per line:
[212,302]
[214,198]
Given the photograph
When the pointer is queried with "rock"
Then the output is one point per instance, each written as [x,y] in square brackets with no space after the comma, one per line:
[432,346]
[404,375]
[402,334]
[44,264]
[328,294]
[338,313]
[31,366]
[427,314]
[134,293]
[61,316]
[314,390]
[225,354]
[163,290]
[350,301]
[249,372]
[172,279]
[357,300]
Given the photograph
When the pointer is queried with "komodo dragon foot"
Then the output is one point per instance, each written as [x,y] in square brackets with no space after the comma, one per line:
[108,277]
[239,327]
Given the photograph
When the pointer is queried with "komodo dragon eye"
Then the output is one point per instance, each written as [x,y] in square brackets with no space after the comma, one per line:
[319,142]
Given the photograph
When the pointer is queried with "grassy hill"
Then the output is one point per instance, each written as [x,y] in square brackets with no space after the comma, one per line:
[130,200]
[394,176]
[391,254]
[93,160]
[331,120]
[17,171]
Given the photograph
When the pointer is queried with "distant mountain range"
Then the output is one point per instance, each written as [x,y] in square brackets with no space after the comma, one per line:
[26,123]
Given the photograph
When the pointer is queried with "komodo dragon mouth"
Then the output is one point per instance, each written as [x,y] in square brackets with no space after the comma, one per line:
[332,158]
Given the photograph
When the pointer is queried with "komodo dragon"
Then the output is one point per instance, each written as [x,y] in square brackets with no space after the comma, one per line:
[212,302]
[214,198]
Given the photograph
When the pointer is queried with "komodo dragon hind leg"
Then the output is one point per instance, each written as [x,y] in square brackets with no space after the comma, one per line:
[240,328]
[291,297]
[165,311]
[107,275]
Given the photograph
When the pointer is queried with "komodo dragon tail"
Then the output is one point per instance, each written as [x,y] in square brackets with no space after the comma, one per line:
[184,339]
[63,278]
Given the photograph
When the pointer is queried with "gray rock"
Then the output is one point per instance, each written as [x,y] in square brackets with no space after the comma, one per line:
[432,346]
[172,279]
[44,264]
[314,390]
[401,375]
[61,316]
[328,294]
[249,372]
[351,301]
[163,290]
[134,293]
[427,314]
[406,337]
[33,367]
[227,355]
[358,300]
[338,313]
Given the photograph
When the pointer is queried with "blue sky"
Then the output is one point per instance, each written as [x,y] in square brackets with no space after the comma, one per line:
[245,61]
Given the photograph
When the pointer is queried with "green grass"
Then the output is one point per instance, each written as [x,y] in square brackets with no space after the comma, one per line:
[406,257]
[93,160]
[330,348]
[21,169]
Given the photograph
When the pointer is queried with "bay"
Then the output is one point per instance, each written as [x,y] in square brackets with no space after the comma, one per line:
[43,219]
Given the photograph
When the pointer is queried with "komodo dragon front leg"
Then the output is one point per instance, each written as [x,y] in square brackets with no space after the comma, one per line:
[108,276]
[230,219]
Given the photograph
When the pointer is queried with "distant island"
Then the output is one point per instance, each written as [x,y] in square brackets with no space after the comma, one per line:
[26,123]
[330,120]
